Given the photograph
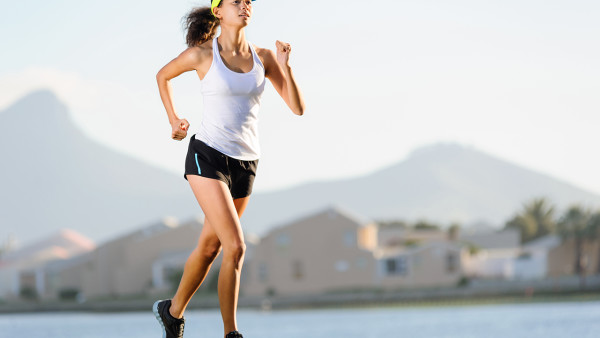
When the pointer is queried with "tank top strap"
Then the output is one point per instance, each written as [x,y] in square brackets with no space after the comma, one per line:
[252,51]
[216,54]
[254,55]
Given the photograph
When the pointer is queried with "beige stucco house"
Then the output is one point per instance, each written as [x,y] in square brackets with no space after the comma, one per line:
[324,251]
[123,266]
[561,259]
[435,263]
[333,250]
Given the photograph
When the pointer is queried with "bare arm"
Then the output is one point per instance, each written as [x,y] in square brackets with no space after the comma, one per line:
[280,74]
[188,60]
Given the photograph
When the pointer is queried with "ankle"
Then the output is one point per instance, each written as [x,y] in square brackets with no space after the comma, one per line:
[175,314]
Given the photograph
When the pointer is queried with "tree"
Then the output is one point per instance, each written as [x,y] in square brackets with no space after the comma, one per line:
[575,223]
[424,225]
[536,219]
[453,231]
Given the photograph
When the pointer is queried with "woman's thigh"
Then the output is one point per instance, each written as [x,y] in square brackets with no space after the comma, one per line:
[241,204]
[209,237]
[219,208]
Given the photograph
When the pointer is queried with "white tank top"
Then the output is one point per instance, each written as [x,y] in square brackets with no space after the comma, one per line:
[231,103]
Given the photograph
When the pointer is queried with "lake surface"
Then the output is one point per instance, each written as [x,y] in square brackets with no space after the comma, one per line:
[547,320]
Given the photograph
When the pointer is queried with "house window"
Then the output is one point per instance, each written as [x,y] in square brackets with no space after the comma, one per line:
[390,266]
[342,265]
[263,272]
[451,262]
[283,240]
[396,266]
[297,270]
[350,238]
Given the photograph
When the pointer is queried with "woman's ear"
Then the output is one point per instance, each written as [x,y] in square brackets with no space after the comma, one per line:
[216,10]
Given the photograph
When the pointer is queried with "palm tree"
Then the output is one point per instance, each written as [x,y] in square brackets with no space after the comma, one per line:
[575,223]
[536,219]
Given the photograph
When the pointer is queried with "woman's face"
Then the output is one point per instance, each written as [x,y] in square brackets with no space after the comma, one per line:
[234,11]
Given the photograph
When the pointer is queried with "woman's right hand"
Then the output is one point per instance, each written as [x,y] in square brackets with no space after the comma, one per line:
[180,128]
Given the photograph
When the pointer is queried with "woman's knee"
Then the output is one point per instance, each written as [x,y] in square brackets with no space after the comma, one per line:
[209,249]
[234,251]
[213,251]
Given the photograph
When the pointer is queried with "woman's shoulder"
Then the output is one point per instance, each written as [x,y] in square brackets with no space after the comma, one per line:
[266,55]
[204,48]
[262,51]
[198,52]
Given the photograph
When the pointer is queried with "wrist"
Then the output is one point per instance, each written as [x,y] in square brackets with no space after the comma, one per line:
[286,68]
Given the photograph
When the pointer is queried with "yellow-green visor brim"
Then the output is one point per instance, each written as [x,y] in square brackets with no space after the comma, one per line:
[214,4]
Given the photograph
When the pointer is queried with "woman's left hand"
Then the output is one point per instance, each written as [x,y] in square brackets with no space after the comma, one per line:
[283,52]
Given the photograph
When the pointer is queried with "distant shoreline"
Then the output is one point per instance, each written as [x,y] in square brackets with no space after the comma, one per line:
[342,300]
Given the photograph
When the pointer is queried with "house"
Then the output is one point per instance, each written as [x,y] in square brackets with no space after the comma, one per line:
[499,255]
[328,250]
[561,258]
[416,258]
[124,266]
[22,271]
[492,239]
[434,263]
[532,262]
[333,250]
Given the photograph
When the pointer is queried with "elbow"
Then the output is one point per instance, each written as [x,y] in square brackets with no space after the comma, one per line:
[300,110]
[159,77]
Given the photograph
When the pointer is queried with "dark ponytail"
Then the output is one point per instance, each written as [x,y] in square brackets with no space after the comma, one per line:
[201,26]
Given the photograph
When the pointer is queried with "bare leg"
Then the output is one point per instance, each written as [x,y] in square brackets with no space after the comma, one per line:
[222,214]
[199,263]
[196,268]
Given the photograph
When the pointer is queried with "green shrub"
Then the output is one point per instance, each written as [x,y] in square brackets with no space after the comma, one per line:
[68,294]
[28,293]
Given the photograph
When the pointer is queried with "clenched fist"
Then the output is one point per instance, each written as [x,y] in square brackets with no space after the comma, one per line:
[283,52]
[180,128]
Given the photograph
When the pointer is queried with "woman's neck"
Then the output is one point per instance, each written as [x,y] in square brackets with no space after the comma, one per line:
[233,40]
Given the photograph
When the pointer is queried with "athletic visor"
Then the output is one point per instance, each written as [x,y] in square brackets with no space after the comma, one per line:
[216,3]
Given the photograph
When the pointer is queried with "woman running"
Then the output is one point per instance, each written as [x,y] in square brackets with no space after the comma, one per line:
[223,154]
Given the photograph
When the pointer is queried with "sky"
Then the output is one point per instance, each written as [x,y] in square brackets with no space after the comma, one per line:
[517,79]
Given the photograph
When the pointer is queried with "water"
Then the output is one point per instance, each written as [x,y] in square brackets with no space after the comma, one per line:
[547,320]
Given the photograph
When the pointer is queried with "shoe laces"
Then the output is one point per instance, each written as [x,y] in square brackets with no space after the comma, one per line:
[180,329]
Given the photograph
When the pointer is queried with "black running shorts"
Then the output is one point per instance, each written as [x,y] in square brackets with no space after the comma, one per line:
[205,161]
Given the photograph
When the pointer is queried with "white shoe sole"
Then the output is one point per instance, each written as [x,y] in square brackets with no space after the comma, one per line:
[157,315]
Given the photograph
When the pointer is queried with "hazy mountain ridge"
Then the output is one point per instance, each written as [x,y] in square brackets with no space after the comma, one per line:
[440,183]
[56,177]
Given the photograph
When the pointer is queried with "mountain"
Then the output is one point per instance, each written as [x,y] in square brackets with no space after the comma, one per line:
[440,183]
[54,176]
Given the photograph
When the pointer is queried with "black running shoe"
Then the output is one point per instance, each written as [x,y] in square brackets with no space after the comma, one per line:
[172,327]
[234,334]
